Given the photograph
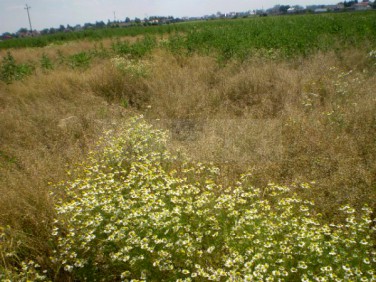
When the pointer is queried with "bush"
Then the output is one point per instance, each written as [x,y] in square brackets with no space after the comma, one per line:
[80,60]
[10,71]
[46,63]
[134,211]
[136,50]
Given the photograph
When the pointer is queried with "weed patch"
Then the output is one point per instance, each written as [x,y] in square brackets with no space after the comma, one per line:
[134,211]
[46,63]
[10,70]
[80,60]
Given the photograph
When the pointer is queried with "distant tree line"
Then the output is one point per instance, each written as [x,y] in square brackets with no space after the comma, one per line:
[159,20]
[153,20]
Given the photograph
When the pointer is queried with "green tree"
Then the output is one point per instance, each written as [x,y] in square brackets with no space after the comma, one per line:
[61,28]
[283,8]
[22,30]
[100,24]
[137,20]
[44,31]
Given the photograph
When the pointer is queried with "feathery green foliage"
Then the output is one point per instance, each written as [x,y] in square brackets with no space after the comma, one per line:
[135,211]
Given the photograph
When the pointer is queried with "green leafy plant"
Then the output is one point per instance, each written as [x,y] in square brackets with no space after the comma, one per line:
[136,50]
[46,62]
[10,70]
[80,60]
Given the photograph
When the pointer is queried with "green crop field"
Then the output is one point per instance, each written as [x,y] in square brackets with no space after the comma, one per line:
[290,35]
[298,35]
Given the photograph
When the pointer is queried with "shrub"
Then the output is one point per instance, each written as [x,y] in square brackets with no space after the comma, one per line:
[134,211]
[136,50]
[80,60]
[46,63]
[10,70]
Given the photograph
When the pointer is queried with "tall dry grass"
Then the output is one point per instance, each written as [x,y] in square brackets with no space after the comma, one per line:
[67,48]
[304,120]
[308,119]
[47,123]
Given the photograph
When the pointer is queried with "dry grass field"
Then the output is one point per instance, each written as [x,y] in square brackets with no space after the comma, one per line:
[306,119]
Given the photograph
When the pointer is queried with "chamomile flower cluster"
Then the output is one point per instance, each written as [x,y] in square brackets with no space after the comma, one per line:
[134,212]
[11,267]
[372,54]
[137,68]
[28,271]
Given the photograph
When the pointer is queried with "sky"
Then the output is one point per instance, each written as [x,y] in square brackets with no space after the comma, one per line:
[53,13]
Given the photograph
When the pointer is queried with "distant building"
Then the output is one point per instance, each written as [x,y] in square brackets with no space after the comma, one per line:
[125,24]
[23,34]
[320,10]
[340,6]
[362,6]
[331,7]
[6,37]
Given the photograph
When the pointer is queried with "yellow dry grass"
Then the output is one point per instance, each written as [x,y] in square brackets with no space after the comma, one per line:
[304,120]
[66,48]
[48,122]
[311,119]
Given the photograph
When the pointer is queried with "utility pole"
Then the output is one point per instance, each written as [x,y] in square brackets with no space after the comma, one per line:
[114,16]
[27,8]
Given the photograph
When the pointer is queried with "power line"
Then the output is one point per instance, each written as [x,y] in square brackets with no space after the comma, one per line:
[27,8]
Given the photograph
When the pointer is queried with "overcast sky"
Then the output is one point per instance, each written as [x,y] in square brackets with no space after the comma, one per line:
[52,13]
